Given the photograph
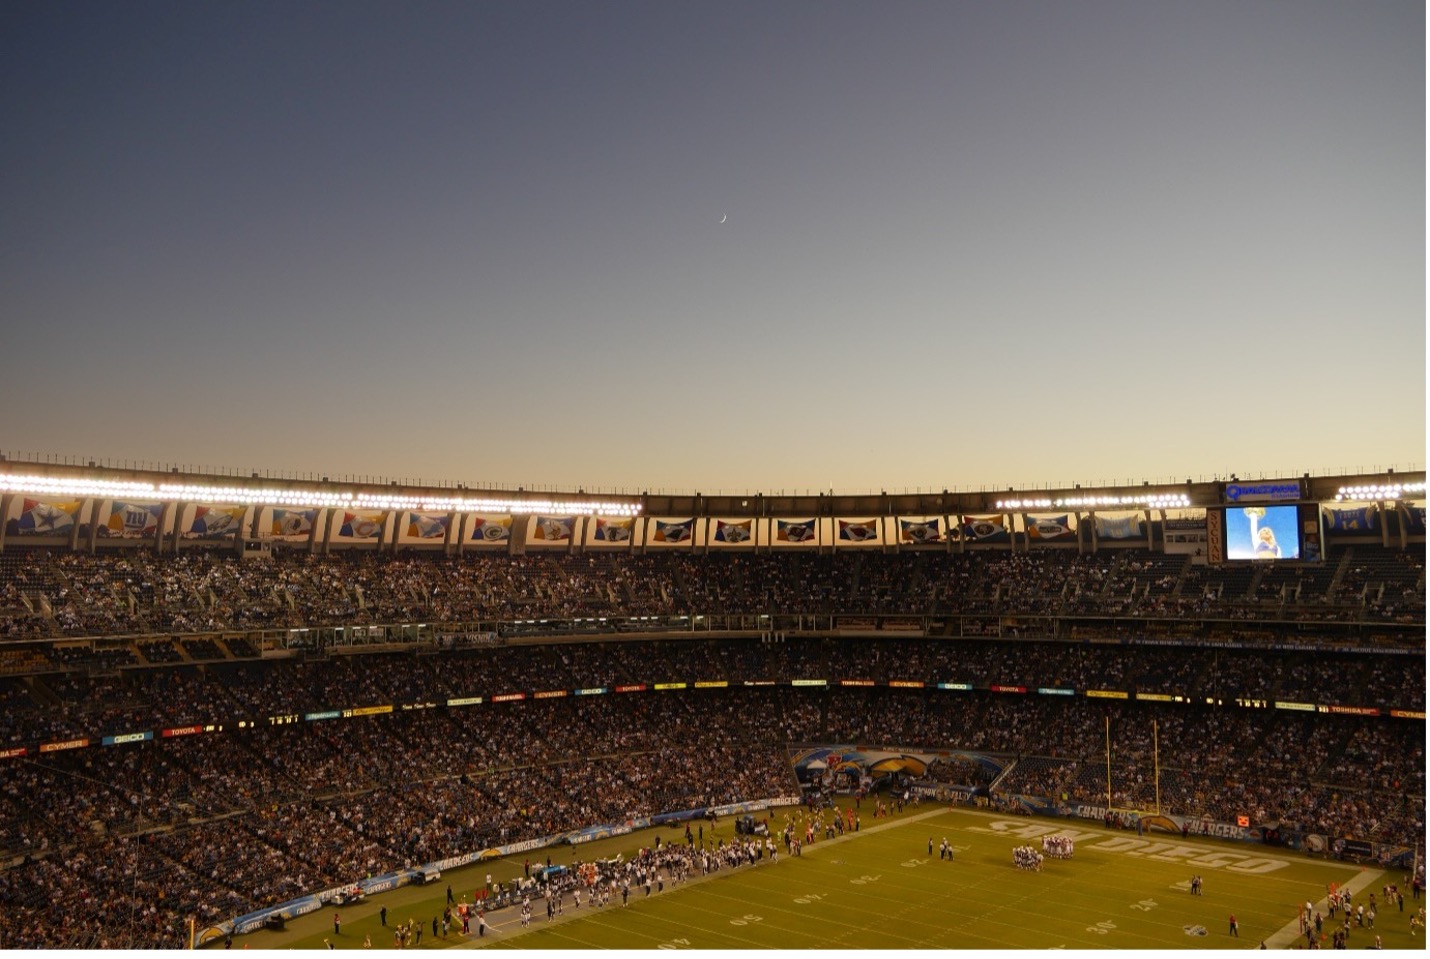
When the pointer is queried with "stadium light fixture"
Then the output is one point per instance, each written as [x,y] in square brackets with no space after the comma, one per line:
[1381,491]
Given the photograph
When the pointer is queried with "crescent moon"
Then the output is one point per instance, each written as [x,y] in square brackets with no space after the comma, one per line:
[722,218]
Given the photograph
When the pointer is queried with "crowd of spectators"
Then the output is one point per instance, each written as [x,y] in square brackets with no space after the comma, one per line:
[51,593]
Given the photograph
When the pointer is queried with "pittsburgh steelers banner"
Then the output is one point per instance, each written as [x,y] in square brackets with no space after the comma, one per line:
[1362,520]
[427,526]
[614,530]
[293,523]
[1118,527]
[362,525]
[795,531]
[734,532]
[41,517]
[491,529]
[554,528]
[131,520]
[674,532]
[918,531]
[859,531]
[1048,527]
[985,529]
[216,522]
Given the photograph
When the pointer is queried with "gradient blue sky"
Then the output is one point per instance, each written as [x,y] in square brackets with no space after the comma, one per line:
[966,243]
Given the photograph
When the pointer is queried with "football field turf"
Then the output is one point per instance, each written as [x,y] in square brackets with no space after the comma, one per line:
[880,889]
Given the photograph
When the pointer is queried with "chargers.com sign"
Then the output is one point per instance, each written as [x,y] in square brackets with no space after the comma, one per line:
[1262,492]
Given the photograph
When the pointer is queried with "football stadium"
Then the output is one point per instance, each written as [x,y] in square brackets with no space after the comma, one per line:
[246,711]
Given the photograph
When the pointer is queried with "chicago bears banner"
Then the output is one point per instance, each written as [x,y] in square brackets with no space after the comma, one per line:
[734,532]
[362,525]
[794,531]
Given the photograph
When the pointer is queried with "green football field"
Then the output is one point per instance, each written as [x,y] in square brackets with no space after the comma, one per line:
[880,889]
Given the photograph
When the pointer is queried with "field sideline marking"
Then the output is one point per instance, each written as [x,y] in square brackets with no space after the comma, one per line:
[1291,932]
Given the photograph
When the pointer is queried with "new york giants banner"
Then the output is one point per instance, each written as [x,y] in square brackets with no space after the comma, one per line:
[41,517]
[491,529]
[795,531]
[131,520]
[216,522]
[1364,519]
[1118,527]
[734,532]
[859,531]
[554,528]
[614,530]
[918,531]
[985,529]
[293,523]
[1048,527]
[427,526]
[674,532]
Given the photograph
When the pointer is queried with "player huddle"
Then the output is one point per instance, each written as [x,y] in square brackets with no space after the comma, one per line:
[1026,857]
[1058,847]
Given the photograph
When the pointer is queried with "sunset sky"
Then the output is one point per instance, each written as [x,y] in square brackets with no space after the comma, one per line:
[964,243]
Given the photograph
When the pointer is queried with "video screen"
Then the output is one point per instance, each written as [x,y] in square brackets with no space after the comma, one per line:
[1262,532]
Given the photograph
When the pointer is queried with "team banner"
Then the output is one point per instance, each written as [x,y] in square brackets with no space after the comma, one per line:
[43,517]
[216,522]
[794,531]
[614,530]
[1414,518]
[427,526]
[292,523]
[985,529]
[1118,527]
[491,529]
[131,520]
[1048,527]
[918,531]
[362,525]
[734,532]
[674,532]
[859,531]
[1362,520]
[554,528]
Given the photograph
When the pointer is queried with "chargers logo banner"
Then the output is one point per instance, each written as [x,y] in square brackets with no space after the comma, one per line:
[984,529]
[734,532]
[1047,527]
[554,528]
[362,525]
[424,526]
[217,522]
[795,531]
[491,529]
[131,520]
[1362,520]
[859,531]
[293,522]
[674,532]
[47,517]
[1118,527]
[916,531]
[614,530]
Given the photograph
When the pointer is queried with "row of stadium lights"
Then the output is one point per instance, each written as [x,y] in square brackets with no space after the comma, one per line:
[1392,491]
[1147,501]
[55,486]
